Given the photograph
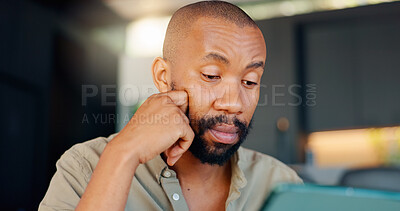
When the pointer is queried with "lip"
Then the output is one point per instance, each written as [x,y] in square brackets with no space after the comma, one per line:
[226,134]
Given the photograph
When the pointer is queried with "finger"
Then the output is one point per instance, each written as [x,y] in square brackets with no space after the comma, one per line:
[183,117]
[174,152]
[176,149]
[170,151]
[179,98]
[186,138]
[172,160]
[172,157]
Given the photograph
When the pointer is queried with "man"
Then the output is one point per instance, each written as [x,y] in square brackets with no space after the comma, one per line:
[181,150]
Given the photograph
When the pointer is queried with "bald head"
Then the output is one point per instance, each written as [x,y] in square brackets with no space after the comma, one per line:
[184,18]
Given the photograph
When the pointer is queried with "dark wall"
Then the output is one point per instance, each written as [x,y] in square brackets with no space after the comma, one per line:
[355,63]
[46,55]
[343,64]
[25,72]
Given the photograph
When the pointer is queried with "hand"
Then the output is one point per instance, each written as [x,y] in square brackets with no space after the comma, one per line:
[159,125]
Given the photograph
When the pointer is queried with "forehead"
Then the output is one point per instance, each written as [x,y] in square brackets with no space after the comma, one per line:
[210,34]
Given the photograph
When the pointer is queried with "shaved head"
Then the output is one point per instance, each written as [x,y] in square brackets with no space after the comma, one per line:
[183,19]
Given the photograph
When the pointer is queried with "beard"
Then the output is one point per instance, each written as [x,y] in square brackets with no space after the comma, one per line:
[211,152]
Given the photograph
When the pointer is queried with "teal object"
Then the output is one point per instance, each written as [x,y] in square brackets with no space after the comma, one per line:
[288,197]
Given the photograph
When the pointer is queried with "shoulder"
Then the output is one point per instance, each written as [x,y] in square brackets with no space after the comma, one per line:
[93,147]
[261,165]
[74,170]
[250,156]
[84,156]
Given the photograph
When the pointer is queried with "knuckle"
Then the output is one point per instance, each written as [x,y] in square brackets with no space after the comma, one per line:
[191,133]
[180,132]
[165,99]
[177,110]
[153,96]
[185,119]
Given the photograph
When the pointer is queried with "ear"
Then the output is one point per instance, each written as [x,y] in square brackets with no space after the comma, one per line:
[161,74]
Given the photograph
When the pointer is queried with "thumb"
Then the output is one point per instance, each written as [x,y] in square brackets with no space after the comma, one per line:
[179,98]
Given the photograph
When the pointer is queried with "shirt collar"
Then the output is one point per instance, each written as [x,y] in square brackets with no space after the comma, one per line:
[157,166]
[238,177]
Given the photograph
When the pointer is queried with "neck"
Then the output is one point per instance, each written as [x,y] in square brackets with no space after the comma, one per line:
[189,169]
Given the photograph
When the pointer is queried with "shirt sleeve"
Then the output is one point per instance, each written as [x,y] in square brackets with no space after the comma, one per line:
[68,183]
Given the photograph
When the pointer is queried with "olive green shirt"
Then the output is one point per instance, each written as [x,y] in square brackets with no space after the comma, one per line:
[156,187]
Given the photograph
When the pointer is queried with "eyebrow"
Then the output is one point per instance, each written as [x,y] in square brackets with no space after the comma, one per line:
[223,59]
[255,65]
[217,57]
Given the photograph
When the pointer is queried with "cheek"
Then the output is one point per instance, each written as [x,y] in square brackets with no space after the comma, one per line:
[253,98]
[200,100]
[250,101]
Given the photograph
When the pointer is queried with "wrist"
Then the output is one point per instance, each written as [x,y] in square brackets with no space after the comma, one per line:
[122,153]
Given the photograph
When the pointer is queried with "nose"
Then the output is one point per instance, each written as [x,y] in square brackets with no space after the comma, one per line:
[230,99]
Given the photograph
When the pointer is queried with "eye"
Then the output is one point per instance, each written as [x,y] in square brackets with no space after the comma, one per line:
[211,77]
[249,83]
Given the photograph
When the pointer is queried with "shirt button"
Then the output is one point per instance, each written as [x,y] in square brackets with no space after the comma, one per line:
[175,196]
[166,174]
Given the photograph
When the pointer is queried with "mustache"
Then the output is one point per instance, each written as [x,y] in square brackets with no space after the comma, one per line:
[208,122]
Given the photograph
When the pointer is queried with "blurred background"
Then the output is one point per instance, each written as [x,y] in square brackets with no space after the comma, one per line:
[74,70]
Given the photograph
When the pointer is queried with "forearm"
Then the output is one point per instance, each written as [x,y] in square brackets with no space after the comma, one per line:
[138,142]
[109,185]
